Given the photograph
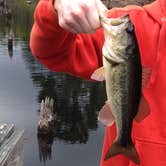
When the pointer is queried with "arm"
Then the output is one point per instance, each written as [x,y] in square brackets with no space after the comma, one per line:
[61,50]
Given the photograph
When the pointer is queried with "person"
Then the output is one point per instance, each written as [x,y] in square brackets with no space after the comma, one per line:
[66,37]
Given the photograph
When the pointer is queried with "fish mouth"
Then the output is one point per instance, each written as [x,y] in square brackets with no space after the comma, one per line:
[120,20]
[116,21]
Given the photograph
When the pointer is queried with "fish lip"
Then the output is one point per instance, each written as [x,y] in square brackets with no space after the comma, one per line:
[116,21]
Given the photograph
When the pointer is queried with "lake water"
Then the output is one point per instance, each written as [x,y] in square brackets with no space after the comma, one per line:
[24,83]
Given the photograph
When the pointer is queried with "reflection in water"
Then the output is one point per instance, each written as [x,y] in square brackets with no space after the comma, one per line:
[2,6]
[74,102]
[6,13]
[76,106]
[46,129]
[47,117]
[77,102]
[45,147]
[10,43]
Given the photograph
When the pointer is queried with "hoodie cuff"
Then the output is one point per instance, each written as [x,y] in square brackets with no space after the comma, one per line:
[51,8]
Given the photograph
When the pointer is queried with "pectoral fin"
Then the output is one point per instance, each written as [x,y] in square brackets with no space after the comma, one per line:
[98,75]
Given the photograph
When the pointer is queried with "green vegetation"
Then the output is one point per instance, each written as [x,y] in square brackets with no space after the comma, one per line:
[21,17]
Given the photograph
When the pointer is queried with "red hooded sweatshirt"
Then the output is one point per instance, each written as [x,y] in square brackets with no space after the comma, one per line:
[80,55]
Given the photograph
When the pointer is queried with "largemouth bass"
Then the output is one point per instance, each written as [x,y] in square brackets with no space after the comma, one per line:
[123,76]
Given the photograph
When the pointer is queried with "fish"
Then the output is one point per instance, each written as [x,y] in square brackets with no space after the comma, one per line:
[123,78]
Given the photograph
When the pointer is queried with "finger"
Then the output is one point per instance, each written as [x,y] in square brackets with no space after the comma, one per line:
[93,18]
[84,25]
[79,15]
[70,29]
[80,21]
[67,23]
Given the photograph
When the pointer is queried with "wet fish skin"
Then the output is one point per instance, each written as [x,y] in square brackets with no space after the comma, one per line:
[123,81]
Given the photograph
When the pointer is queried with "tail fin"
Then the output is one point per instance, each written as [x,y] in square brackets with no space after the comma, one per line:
[128,151]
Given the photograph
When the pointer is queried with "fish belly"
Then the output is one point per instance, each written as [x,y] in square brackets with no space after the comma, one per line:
[123,92]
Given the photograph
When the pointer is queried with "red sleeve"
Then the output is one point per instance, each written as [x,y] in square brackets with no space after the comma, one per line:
[60,50]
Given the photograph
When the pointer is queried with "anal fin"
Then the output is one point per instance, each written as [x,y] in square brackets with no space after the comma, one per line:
[105,115]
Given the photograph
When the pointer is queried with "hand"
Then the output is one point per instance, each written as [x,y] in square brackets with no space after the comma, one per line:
[78,16]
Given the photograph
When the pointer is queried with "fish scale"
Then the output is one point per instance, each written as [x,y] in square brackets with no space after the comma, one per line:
[120,85]
[123,77]
[123,82]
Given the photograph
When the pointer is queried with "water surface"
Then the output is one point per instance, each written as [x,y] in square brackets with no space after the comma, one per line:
[24,83]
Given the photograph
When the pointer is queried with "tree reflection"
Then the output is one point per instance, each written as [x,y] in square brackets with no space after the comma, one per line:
[45,148]
[6,14]
[76,107]
[76,104]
